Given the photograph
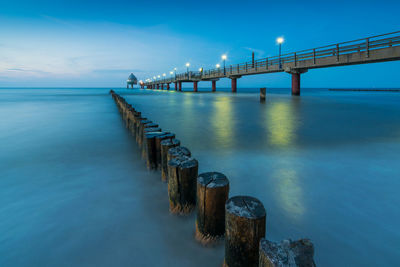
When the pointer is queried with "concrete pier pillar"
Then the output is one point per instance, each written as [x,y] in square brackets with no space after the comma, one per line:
[295,83]
[132,85]
[214,86]
[180,86]
[158,86]
[234,84]
[195,86]
[176,86]
[167,86]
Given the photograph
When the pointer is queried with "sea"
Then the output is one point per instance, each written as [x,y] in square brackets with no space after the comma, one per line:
[74,190]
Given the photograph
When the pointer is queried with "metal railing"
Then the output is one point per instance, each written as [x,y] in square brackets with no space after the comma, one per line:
[355,46]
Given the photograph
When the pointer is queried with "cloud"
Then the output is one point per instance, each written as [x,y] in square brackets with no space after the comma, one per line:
[257,52]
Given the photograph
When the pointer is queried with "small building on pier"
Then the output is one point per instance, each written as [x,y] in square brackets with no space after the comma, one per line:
[131,81]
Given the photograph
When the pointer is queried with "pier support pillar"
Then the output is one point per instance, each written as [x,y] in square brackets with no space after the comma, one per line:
[132,85]
[180,86]
[158,86]
[176,86]
[167,86]
[295,83]
[195,86]
[234,85]
[214,86]
[296,79]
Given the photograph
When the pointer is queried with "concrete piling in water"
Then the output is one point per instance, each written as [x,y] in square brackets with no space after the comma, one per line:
[287,253]
[212,194]
[165,146]
[245,219]
[182,174]
[263,92]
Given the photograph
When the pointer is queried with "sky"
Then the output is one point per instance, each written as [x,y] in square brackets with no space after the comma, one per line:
[99,43]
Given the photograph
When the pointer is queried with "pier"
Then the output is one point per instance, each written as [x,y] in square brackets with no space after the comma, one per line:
[373,49]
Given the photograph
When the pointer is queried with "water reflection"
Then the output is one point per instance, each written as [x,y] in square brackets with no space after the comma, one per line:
[281,122]
[222,121]
[289,190]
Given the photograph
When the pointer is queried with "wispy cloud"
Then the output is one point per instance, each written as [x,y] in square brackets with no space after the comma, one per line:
[257,52]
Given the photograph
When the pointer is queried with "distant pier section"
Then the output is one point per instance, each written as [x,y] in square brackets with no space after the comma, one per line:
[379,48]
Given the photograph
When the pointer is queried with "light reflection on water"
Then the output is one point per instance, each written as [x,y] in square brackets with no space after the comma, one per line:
[222,122]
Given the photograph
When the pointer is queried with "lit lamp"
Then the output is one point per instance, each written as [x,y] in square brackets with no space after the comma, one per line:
[187,66]
[224,57]
[280,41]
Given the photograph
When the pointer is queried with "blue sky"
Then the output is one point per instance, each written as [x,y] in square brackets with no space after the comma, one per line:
[98,43]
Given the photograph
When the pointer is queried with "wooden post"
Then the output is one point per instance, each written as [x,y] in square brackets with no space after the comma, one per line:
[298,253]
[139,125]
[144,146]
[244,227]
[141,131]
[150,144]
[158,146]
[177,152]
[263,92]
[212,194]
[165,146]
[182,174]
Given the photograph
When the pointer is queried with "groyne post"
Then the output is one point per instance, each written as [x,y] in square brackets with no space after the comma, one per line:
[212,194]
[182,174]
[245,219]
[165,146]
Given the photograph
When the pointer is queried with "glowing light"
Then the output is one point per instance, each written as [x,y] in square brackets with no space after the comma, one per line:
[200,69]
[224,57]
[218,66]
[159,76]
[280,40]
[171,72]
[188,64]
[164,74]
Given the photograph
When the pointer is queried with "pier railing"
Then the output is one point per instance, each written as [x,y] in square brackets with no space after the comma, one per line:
[277,63]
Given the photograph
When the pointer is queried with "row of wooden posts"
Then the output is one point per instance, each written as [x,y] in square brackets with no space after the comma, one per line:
[240,219]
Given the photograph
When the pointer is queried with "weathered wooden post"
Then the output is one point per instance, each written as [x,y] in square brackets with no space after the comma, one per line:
[263,92]
[158,146]
[165,146]
[143,126]
[182,174]
[144,146]
[150,144]
[288,253]
[212,194]
[244,227]
[139,125]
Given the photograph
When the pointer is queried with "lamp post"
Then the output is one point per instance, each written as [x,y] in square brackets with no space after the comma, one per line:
[175,72]
[224,57]
[280,40]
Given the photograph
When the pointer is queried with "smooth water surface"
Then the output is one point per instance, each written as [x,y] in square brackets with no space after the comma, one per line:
[75,192]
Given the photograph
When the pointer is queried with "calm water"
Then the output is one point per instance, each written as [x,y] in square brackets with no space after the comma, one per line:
[75,192]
